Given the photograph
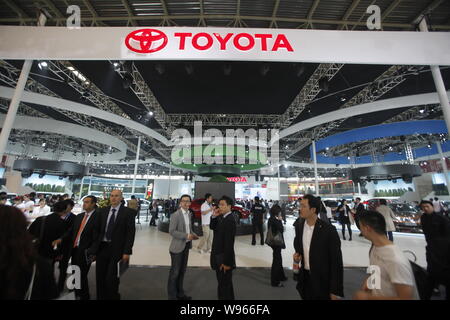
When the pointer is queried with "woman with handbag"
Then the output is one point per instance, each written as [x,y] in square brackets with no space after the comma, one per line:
[23,274]
[276,241]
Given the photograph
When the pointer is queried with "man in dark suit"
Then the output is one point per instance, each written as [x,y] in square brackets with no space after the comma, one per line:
[318,247]
[222,253]
[258,213]
[49,230]
[66,245]
[114,244]
[82,238]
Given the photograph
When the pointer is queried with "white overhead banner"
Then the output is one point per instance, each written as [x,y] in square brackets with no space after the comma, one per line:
[190,43]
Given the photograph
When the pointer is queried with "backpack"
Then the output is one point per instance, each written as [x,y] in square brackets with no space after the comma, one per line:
[421,277]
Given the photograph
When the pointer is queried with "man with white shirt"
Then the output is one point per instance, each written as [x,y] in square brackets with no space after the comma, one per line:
[396,276]
[116,231]
[180,228]
[29,205]
[83,235]
[318,248]
[207,211]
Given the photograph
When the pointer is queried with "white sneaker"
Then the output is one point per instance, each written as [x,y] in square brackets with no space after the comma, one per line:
[199,250]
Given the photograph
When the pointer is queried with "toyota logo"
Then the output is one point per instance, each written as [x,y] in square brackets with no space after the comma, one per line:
[146,40]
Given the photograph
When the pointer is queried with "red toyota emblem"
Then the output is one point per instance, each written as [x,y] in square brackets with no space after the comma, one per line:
[141,40]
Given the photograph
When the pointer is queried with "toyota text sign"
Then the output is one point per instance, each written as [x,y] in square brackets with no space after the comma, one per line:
[146,41]
[224,44]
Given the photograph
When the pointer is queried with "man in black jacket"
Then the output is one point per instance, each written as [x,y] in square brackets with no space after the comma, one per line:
[82,238]
[318,247]
[436,229]
[358,209]
[65,245]
[258,212]
[222,253]
[48,229]
[114,244]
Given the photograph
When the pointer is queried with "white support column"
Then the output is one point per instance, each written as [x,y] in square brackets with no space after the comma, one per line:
[170,176]
[90,184]
[81,188]
[279,184]
[316,179]
[444,165]
[359,188]
[439,83]
[136,165]
[14,106]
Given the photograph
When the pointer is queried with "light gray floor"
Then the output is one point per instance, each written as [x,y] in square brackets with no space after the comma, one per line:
[150,283]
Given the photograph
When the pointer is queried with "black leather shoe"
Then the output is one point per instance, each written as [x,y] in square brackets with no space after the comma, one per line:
[253,244]
[280,285]
[185,298]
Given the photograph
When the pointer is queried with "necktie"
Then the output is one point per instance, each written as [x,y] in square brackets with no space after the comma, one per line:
[109,230]
[83,222]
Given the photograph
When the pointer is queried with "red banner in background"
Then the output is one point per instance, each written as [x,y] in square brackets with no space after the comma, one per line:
[237,179]
[433,165]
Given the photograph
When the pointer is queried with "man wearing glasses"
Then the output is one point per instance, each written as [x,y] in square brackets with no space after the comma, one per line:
[180,228]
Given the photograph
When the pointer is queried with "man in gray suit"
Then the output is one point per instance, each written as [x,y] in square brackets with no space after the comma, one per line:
[180,229]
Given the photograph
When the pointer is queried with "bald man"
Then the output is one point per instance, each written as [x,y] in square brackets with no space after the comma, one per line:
[115,243]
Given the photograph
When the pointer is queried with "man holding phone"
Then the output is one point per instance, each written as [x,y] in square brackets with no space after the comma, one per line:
[222,254]
[180,228]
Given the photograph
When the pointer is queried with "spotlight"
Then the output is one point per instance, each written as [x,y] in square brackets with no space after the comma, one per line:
[422,111]
[127,80]
[324,85]
[429,145]
[26,173]
[42,174]
[42,65]
[264,69]
[116,66]
[150,113]
[160,68]
[44,144]
[189,69]
[227,69]
[299,70]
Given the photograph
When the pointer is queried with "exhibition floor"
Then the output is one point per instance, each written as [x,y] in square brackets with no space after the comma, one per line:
[151,248]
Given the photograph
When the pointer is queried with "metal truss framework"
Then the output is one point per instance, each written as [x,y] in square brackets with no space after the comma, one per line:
[97,97]
[383,84]
[145,95]
[309,91]
[67,72]
[224,120]
[237,20]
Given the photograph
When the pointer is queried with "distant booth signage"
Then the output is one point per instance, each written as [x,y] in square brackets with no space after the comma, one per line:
[237,179]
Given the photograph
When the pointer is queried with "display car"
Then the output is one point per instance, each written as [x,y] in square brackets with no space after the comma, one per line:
[239,212]
[407,217]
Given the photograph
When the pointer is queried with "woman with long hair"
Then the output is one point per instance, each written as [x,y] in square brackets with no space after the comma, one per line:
[21,269]
[275,224]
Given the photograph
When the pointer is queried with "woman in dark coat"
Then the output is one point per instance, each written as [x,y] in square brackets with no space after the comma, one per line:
[19,261]
[345,218]
[275,223]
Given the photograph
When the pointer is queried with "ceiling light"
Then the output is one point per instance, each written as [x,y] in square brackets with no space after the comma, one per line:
[44,144]
[150,113]
[42,65]
[71,68]
[422,110]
